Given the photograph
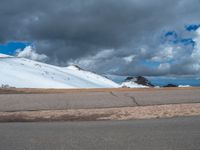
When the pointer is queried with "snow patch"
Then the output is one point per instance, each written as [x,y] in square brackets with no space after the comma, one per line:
[132,84]
[4,55]
[73,67]
[184,86]
[25,73]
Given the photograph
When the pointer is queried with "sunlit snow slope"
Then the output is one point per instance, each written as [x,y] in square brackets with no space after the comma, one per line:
[25,73]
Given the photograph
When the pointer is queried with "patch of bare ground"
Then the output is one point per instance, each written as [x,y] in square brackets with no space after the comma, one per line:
[124,113]
[36,91]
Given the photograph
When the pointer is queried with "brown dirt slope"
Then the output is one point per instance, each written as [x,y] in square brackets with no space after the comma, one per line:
[32,91]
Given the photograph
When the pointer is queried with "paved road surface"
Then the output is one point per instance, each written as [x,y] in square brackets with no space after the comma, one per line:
[160,134]
[75,100]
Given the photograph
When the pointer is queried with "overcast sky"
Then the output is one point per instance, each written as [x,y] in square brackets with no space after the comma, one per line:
[123,37]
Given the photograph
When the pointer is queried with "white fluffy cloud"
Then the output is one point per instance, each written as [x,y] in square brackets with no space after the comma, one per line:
[165,54]
[196,52]
[195,56]
[129,59]
[89,61]
[101,61]
[30,53]
[134,29]
[165,59]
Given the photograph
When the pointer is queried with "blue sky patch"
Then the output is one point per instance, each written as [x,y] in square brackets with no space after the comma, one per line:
[170,37]
[188,41]
[192,27]
[173,38]
[171,33]
[11,47]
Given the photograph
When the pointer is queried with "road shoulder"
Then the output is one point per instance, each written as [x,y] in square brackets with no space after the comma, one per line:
[123,113]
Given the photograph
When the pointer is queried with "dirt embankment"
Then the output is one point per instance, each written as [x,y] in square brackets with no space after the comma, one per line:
[124,113]
[36,91]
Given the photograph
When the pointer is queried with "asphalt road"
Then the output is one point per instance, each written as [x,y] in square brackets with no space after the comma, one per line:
[78,100]
[158,134]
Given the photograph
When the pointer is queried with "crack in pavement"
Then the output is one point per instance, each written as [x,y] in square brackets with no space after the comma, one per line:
[113,94]
[126,95]
[133,99]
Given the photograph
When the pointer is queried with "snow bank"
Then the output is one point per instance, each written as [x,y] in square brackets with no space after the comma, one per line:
[25,73]
[184,86]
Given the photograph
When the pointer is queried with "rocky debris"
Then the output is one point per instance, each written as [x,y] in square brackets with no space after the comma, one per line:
[140,80]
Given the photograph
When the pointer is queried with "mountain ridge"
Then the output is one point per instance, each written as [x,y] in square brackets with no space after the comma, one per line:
[26,73]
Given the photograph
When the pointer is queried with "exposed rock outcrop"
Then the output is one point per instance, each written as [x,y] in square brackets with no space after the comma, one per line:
[170,85]
[140,80]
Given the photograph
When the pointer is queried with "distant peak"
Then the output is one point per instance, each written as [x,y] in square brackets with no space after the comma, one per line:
[140,80]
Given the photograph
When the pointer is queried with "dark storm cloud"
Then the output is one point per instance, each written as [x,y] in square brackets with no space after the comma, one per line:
[77,30]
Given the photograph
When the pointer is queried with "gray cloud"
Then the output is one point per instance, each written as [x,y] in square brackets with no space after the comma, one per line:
[77,31]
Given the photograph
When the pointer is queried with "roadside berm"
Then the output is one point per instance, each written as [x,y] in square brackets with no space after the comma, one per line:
[123,113]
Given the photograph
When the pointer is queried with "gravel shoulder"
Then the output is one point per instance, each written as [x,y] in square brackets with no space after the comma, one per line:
[123,113]
[50,91]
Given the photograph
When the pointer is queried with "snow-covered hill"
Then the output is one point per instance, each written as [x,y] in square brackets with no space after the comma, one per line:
[4,55]
[25,73]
